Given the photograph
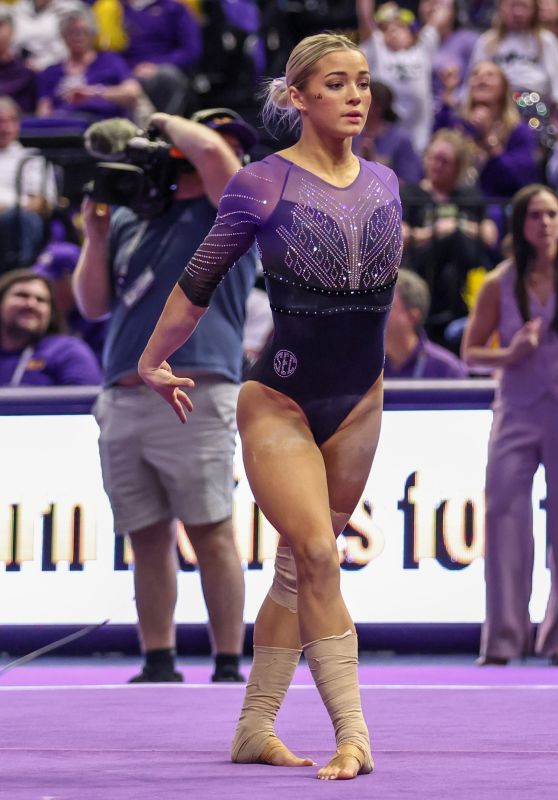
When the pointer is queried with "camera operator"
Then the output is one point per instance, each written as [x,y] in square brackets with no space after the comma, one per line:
[154,471]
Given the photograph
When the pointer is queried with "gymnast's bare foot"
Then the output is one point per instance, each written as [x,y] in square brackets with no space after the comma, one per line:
[276,754]
[347,763]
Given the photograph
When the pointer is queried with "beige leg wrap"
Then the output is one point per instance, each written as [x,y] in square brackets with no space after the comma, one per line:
[333,662]
[283,588]
[270,677]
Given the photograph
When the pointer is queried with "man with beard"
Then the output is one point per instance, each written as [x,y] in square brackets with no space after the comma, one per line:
[33,351]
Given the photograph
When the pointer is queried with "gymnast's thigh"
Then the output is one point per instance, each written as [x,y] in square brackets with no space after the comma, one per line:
[283,464]
[348,454]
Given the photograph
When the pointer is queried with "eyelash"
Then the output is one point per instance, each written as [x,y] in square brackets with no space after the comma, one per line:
[363,85]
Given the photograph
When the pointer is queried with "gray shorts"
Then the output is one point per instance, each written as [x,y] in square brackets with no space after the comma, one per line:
[154,467]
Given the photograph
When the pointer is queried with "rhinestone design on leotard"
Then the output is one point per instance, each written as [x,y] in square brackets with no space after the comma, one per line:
[310,234]
[342,245]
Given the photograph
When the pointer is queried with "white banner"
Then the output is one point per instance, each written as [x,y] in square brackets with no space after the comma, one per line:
[412,553]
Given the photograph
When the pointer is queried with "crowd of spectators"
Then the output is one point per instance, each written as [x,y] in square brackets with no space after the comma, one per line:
[464,104]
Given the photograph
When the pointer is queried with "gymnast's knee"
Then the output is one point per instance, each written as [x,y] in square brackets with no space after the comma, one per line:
[317,562]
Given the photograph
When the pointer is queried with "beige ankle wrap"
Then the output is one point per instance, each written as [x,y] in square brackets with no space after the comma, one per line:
[270,677]
[333,662]
[283,588]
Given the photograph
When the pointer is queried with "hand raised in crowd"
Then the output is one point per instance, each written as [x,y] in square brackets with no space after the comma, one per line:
[525,340]
[162,380]
[490,132]
[451,81]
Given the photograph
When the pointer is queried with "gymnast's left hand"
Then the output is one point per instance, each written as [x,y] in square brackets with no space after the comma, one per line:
[162,380]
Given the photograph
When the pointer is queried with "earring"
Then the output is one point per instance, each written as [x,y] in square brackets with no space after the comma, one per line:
[317,97]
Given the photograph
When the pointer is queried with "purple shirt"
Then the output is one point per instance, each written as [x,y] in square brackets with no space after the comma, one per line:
[428,360]
[108,69]
[455,49]
[394,148]
[515,167]
[526,381]
[56,361]
[164,32]
[246,16]
[20,83]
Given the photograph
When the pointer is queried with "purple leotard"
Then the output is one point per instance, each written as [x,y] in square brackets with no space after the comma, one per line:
[330,258]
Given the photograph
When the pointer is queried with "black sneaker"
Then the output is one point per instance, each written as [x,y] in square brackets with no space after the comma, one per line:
[553,660]
[491,661]
[227,674]
[151,675]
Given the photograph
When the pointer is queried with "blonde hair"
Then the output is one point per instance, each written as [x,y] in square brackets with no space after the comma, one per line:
[10,105]
[499,29]
[509,114]
[463,152]
[277,108]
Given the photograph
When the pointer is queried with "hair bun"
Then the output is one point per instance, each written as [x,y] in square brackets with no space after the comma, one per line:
[279,92]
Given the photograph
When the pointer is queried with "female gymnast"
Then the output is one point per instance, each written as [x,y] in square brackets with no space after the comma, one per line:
[328,226]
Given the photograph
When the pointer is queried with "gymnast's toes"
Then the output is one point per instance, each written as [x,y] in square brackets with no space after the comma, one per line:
[276,754]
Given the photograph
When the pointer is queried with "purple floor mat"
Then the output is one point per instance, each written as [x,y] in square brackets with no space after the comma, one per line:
[99,675]
[171,742]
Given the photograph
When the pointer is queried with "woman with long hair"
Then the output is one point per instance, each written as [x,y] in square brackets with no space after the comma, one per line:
[518,303]
[328,227]
[527,52]
[506,147]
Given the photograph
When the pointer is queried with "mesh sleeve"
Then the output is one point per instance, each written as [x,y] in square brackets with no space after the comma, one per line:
[244,206]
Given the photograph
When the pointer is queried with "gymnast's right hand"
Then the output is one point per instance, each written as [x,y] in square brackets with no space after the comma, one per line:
[162,380]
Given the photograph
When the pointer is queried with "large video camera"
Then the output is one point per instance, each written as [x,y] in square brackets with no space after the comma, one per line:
[138,169]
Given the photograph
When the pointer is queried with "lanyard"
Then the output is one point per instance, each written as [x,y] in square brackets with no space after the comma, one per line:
[124,263]
[420,365]
[24,359]
[143,282]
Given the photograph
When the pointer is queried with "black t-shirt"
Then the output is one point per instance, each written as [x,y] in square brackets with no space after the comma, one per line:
[420,209]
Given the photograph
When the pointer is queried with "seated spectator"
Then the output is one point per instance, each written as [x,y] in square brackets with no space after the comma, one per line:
[37,31]
[506,147]
[33,352]
[446,230]
[27,193]
[57,263]
[159,40]
[89,85]
[526,52]
[403,60]
[16,80]
[383,139]
[409,352]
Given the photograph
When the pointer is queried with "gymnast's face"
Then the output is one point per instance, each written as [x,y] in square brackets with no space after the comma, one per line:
[336,98]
